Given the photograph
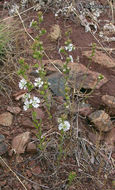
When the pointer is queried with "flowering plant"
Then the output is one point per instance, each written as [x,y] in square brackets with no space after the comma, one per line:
[28,101]
[63,125]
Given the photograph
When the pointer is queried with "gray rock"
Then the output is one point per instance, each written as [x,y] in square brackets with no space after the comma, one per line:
[57,82]
[3,145]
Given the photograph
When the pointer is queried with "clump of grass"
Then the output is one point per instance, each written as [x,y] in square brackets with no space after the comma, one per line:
[9,33]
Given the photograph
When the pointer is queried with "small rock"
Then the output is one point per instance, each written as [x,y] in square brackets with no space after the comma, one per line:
[85,109]
[6,119]
[101,120]
[109,101]
[19,142]
[36,170]
[28,123]
[15,110]
[100,58]
[28,172]
[3,148]
[31,148]
[55,32]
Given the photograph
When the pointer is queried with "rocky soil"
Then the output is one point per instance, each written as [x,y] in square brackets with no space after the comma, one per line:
[91,150]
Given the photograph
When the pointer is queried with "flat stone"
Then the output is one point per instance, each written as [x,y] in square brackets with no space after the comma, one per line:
[109,101]
[84,77]
[19,142]
[100,58]
[55,32]
[101,120]
[3,148]
[6,119]
[15,110]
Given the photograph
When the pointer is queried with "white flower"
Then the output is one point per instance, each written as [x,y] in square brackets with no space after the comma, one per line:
[56,14]
[67,107]
[69,48]
[37,71]
[22,84]
[35,102]
[38,82]
[14,9]
[65,126]
[26,105]
[70,56]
